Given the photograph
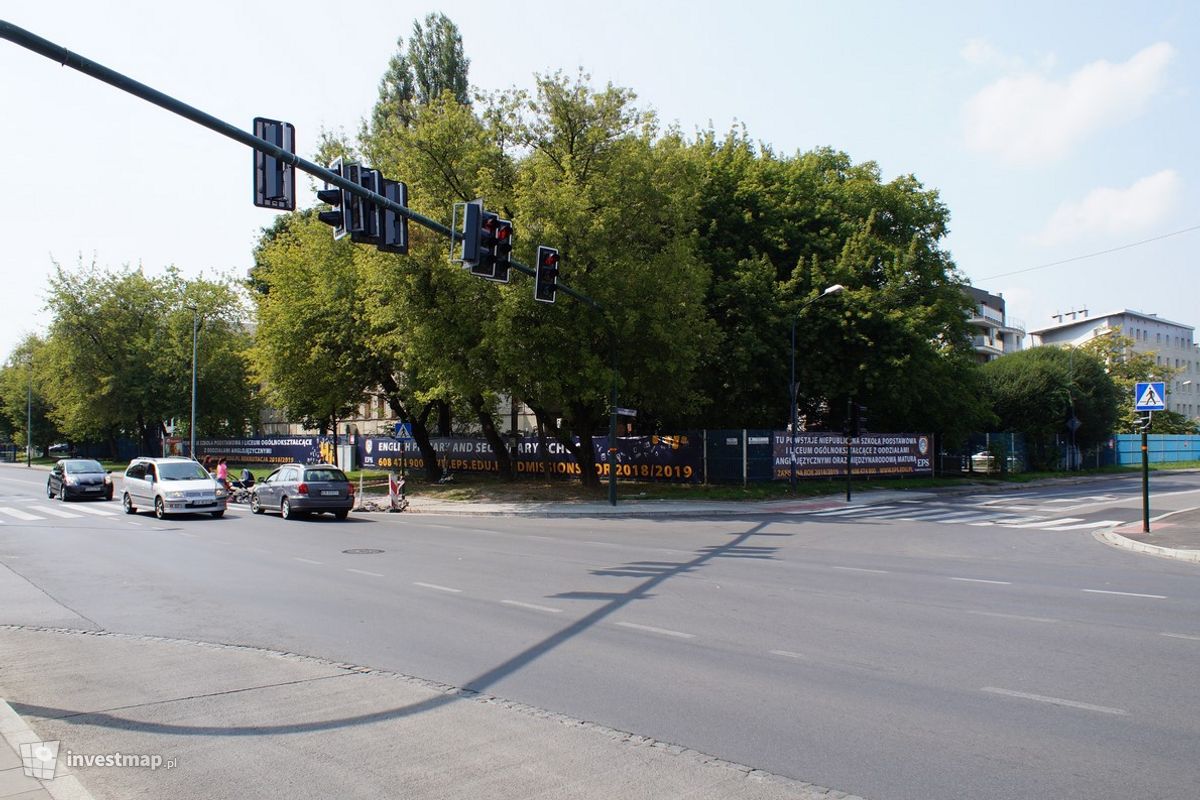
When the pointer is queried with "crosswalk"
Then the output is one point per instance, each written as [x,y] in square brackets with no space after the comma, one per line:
[975,516]
[42,512]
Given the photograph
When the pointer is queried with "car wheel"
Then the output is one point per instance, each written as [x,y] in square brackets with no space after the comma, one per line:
[127,503]
[108,495]
[218,514]
[160,509]
[341,513]
[62,493]
[285,509]
[256,506]
[49,491]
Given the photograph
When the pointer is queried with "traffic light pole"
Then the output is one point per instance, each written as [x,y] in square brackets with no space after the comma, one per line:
[67,58]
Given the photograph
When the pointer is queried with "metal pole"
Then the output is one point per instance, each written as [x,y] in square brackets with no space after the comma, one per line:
[29,420]
[849,433]
[192,427]
[792,386]
[1145,480]
[612,420]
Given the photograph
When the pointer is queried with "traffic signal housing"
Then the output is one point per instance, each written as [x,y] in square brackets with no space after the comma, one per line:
[393,226]
[337,200]
[349,212]
[545,282]
[485,262]
[502,251]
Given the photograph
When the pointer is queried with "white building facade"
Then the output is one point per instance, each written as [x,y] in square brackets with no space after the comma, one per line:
[994,333]
[1171,343]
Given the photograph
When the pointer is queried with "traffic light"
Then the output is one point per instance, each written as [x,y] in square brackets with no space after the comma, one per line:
[485,263]
[545,282]
[368,233]
[393,227]
[348,215]
[472,218]
[502,251]
[274,181]
[337,199]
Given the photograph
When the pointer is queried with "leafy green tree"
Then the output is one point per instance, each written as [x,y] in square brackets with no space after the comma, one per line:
[24,381]
[120,345]
[1127,368]
[433,64]
[1036,391]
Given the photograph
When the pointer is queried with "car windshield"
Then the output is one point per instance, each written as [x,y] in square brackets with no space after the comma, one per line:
[329,475]
[182,471]
[83,466]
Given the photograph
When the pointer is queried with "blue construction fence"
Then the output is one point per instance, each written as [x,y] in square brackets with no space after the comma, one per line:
[1125,449]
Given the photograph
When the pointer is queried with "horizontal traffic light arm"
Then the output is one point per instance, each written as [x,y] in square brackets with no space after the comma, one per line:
[67,58]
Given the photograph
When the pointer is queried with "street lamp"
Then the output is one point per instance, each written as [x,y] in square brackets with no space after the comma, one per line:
[835,289]
[192,427]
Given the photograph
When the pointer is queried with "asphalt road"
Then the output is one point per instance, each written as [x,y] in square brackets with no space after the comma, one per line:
[957,647]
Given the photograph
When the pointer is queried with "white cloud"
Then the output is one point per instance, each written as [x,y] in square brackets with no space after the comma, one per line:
[983,53]
[1026,117]
[1107,212]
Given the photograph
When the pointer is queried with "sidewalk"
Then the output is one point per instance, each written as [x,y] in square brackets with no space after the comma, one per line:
[1175,535]
[226,721]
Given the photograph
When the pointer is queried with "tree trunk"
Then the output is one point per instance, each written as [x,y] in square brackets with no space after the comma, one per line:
[544,444]
[443,417]
[429,458]
[486,421]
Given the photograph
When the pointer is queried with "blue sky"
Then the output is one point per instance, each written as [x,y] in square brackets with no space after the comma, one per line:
[1051,130]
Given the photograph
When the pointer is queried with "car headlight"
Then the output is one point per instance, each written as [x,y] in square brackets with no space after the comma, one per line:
[222,493]
[108,480]
[173,495]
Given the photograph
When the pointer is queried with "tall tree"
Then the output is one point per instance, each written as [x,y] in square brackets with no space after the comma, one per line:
[24,381]
[433,64]
[1037,391]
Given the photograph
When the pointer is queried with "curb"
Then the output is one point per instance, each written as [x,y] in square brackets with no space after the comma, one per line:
[1117,540]
[17,732]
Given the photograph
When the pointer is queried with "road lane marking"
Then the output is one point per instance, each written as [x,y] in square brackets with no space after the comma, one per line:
[99,512]
[843,511]
[966,520]
[1012,616]
[1058,701]
[1103,523]
[1182,636]
[306,560]
[56,512]
[1048,522]
[981,580]
[661,631]
[532,606]
[189,535]
[438,588]
[19,514]
[864,569]
[364,572]
[1126,594]
[788,654]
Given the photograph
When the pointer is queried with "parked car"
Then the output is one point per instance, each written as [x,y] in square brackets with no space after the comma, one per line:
[172,485]
[79,477]
[295,490]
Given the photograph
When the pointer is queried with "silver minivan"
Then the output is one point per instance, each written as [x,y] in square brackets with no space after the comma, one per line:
[171,486]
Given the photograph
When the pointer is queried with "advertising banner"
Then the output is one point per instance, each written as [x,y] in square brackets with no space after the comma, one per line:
[269,449]
[877,454]
[649,458]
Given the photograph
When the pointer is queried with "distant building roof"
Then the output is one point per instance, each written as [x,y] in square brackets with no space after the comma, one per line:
[1090,319]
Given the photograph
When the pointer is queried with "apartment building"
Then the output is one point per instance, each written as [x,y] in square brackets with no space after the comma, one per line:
[1172,344]
[994,334]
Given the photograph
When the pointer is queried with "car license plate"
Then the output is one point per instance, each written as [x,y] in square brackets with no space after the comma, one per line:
[330,492]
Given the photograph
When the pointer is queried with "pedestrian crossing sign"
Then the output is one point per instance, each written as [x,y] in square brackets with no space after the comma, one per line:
[1149,396]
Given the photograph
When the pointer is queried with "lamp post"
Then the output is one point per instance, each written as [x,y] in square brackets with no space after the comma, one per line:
[192,427]
[835,289]
[29,417]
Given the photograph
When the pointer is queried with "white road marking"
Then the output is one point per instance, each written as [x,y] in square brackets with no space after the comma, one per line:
[364,572]
[788,654]
[19,514]
[981,580]
[965,520]
[438,588]
[189,535]
[1172,635]
[1007,521]
[99,512]
[1102,523]
[134,524]
[864,569]
[306,560]
[1012,616]
[533,606]
[1127,594]
[1045,523]
[652,629]
[542,538]
[842,511]
[56,512]
[1058,701]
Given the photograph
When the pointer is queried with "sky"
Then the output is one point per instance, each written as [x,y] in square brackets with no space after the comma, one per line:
[1052,131]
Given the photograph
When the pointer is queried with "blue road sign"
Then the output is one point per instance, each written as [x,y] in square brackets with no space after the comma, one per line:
[1150,396]
[403,430]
